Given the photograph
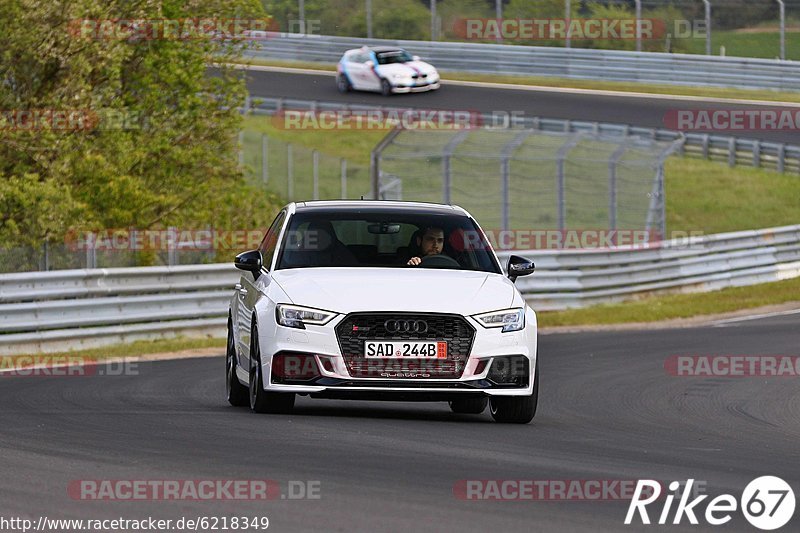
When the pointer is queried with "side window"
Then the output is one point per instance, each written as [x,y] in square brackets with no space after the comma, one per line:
[270,242]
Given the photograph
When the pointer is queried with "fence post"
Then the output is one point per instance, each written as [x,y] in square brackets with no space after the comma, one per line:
[612,185]
[241,148]
[289,172]
[732,152]
[505,175]
[315,172]
[343,167]
[781,162]
[375,160]
[447,153]
[782,5]
[707,5]
[638,25]
[264,158]
[433,20]
[561,180]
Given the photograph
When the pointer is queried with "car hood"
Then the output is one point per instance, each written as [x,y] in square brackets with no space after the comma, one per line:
[407,69]
[346,290]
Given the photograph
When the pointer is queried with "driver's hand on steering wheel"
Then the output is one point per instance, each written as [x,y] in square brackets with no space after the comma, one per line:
[414,261]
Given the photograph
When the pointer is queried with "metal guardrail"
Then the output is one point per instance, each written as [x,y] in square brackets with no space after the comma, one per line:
[573,63]
[72,309]
[731,150]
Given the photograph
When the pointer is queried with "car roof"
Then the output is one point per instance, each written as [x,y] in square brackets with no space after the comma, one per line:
[386,48]
[377,49]
[379,205]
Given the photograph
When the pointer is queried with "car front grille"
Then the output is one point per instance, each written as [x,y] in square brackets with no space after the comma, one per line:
[359,327]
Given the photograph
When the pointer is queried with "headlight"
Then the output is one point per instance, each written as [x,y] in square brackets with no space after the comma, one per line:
[295,316]
[508,319]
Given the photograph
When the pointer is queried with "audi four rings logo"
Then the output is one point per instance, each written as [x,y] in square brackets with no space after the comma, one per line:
[406,326]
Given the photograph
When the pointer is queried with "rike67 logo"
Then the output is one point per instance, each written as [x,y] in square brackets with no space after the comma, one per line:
[767,502]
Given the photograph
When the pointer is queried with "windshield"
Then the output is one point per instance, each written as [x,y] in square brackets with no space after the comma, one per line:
[401,239]
[395,56]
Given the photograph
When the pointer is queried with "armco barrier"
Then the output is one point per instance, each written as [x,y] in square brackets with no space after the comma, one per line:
[73,309]
[574,63]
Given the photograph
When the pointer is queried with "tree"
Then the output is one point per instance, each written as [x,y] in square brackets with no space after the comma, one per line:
[157,140]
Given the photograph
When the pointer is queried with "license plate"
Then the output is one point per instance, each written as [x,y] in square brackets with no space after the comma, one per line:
[405,349]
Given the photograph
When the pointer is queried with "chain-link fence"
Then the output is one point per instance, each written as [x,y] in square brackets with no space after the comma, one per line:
[295,172]
[523,178]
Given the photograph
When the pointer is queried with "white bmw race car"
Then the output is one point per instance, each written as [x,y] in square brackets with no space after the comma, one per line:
[381,300]
[386,70]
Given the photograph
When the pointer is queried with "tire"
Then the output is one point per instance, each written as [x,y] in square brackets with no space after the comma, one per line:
[516,409]
[343,84]
[386,88]
[235,392]
[262,401]
[469,406]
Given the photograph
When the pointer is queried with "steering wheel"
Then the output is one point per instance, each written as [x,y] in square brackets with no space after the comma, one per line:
[439,261]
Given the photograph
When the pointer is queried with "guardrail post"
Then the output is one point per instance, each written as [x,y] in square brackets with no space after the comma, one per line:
[343,169]
[732,152]
[315,172]
[289,172]
[756,153]
[264,158]
[705,141]
[781,158]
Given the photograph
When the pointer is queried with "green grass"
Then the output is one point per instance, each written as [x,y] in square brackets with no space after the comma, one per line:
[656,308]
[762,44]
[649,88]
[713,198]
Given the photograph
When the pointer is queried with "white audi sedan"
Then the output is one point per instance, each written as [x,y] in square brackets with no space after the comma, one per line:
[381,300]
[386,70]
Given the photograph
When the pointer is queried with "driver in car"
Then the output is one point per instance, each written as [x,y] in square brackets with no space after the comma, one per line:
[430,242]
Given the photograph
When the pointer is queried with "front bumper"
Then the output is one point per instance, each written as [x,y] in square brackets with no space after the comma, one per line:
[415,88]
[491,351]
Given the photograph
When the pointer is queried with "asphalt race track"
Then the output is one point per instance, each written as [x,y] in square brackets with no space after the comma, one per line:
[607,411]
[637,111]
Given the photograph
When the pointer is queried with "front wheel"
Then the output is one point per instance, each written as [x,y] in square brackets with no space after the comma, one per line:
[343,84]
[386,88]
[516,409]
[262,401]
[235,392]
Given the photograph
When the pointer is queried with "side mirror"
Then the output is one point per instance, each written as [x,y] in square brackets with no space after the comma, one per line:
[249,261]
[519,266]
[415,58]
